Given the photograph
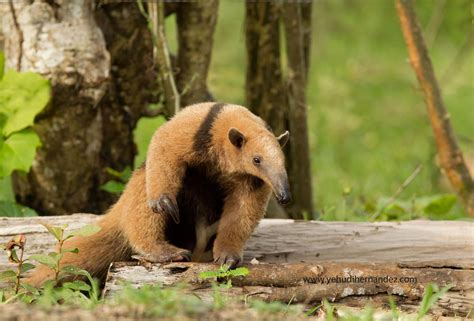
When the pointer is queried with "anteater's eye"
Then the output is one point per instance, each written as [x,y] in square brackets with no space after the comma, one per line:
[256,160]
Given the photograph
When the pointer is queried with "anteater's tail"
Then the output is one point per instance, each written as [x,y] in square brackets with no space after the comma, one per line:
[96,252]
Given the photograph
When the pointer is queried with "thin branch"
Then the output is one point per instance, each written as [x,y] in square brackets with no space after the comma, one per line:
[155,18]
[399,190]
[435,22]
[450,155]
[20,35]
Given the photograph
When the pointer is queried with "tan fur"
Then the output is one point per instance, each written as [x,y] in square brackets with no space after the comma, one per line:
[131,226]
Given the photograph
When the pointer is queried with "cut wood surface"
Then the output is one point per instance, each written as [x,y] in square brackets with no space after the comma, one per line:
[293,256]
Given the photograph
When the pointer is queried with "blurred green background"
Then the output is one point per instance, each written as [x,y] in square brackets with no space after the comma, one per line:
[368,123]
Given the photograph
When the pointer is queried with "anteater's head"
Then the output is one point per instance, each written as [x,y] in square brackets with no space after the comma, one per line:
[259,153]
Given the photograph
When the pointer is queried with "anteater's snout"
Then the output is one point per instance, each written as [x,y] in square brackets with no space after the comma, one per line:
[283,193]
[284,197]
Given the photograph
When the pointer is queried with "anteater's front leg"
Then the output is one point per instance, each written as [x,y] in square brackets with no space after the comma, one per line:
[243,209]
[165,170]
[144,229]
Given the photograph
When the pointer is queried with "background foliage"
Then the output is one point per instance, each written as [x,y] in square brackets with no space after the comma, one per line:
[368,124]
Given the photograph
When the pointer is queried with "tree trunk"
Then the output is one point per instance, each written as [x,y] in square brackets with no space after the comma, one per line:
[297,49]
[63,43]
[264,88]
[101,71]
[131,87]
[277,99]
[196,23]
[450,155]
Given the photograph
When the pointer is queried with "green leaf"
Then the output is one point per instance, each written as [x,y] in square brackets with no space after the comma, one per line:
[55,231]
[113,187]
[25,267]
[18,152]
[55,256]
[87,230]
[441,204]
[431,295]
[70,269]
[8,274]
[31,289]
[22,97]
[6,189]
[124,175]
[44,259]
[2,64]
[11,209]
[74,250]
[77,285]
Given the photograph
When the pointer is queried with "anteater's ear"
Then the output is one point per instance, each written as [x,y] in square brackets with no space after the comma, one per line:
[283,138]
[236,137]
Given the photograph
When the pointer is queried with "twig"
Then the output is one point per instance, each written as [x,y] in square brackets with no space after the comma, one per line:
[399,190]
[161,53]
[20,35]
[437,17]
[459,59]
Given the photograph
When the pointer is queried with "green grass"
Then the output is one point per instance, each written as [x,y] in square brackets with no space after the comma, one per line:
[367,120]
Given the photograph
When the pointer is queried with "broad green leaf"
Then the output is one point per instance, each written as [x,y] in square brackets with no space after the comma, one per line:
[11,209]
[2,64]
[77,285]
[441,204]
[113,187]
[8,274]
[44,259]
[22,97]
[6,189]
[55,231]
[25,267]
[18,152]
[87,230]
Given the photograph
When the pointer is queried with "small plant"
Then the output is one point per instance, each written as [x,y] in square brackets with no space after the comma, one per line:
[117,185]
[53,259]
[52,291]
[432,294]
[224,273]
[16,243]
[23,95]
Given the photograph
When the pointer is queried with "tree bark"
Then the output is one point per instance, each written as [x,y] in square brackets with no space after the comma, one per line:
[277,99]
[63,43]
[297,49]
[196,23]
[100,66]
[265,94]
[450,155]
[131,87]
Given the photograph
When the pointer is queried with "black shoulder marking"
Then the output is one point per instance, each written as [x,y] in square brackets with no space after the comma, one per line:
[202,139]
[255,183]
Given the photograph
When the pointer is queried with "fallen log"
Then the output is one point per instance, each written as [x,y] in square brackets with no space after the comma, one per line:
[297,259]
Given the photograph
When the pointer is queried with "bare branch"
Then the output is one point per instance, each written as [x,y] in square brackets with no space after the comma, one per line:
[450,156]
